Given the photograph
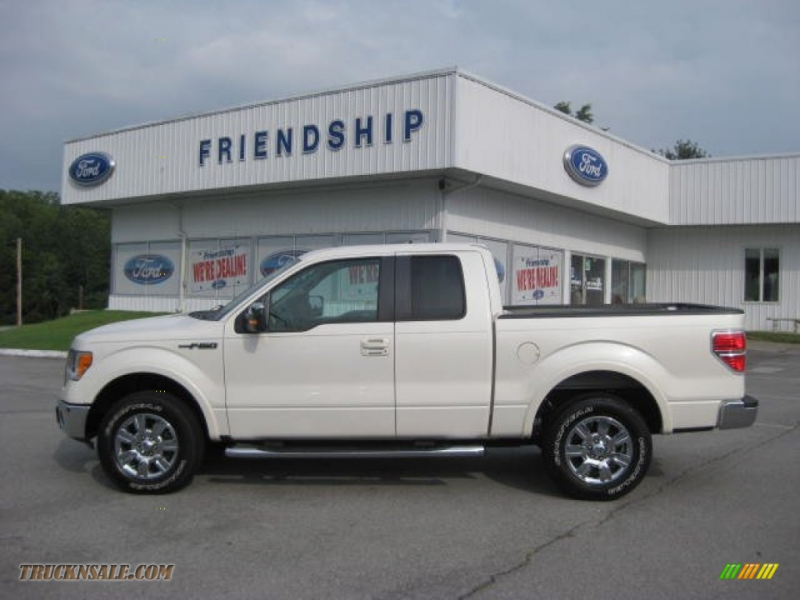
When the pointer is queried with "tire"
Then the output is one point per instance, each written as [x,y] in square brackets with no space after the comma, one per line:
[597,447]
[150,443]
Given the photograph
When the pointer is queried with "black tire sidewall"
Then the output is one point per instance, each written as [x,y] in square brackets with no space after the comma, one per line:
[187,430]
[553,449]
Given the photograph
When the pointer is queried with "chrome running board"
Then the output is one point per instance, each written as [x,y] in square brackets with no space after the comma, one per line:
[334,452]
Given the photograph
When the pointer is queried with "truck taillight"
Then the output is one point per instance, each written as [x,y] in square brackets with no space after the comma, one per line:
[731,348]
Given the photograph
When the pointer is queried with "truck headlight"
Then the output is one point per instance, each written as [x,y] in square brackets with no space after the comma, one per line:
[78,362]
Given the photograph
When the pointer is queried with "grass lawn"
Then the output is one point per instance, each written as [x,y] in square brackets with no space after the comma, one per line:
[58,334]
[774,336]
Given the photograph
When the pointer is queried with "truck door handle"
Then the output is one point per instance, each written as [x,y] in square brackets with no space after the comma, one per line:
[375,347]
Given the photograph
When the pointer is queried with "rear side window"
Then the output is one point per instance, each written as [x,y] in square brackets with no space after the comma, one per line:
[437,289]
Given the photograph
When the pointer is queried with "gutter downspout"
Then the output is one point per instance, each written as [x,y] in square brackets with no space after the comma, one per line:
[443,195]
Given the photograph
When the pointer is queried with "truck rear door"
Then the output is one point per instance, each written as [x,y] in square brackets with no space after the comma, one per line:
[443,346]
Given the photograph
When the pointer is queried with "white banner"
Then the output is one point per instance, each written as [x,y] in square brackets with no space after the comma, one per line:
[537,276]
[218,269]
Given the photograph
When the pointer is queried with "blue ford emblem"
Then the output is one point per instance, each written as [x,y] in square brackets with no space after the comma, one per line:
[273,262]
[147,269]
[538,294]
[585,165]
[91,169]
[219,284]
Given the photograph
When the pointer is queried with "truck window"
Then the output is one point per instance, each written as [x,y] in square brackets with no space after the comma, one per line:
[344,291]
[437,289]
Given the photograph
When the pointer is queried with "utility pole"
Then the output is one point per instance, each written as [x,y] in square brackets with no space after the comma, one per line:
[19,282]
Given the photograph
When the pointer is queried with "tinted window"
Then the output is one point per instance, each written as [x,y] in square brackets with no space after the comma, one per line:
[437,288]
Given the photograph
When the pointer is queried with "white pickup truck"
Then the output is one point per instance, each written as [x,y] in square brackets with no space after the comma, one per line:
[402,350]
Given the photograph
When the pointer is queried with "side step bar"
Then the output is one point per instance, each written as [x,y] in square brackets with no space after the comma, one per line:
[409,452]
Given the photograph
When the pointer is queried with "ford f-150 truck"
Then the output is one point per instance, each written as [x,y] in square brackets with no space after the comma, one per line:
[398,351]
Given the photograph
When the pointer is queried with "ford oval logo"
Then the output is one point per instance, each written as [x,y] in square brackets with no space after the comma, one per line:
[148,269]
[91,169]
[585,165]
[273,262]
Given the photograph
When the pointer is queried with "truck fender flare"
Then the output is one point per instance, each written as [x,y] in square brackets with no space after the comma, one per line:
[583,358]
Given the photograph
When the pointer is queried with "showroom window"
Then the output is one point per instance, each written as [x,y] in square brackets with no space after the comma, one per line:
[628,282]
[761,274]
[587,280]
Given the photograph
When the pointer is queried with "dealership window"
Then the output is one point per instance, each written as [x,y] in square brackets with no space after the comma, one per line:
[761,274]
[218,268]
[147,268]
[587,280]
[499,250]
[628,282]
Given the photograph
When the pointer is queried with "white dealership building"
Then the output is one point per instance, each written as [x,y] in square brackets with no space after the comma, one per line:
[205,205]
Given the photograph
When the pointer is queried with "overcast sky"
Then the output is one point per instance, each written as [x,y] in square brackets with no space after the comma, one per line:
[725,73]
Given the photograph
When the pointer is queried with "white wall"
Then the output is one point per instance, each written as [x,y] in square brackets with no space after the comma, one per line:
[385,206]
[735,191]
[506,216]
[706,265]
[164,158]
[513,139]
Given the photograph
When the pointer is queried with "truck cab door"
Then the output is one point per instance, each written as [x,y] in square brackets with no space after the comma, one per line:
[314,358]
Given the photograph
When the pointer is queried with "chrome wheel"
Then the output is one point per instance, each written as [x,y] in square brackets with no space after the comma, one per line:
[145,446]
[599,450]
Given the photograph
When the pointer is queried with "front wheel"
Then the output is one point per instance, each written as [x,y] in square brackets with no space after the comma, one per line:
[150,443]
[597,447]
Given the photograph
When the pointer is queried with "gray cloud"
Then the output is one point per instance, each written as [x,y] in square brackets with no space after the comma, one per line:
[722,72]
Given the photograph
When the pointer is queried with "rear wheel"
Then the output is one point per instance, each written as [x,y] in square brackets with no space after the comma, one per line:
[150,443]
[597,447]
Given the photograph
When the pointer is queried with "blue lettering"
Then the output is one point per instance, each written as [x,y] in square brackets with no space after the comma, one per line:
[224,148]
[241,147]
[388,133]
[336,135]
[260,148]
[205,151]
[414,120]
[310,138]
[284,142]
[362,132]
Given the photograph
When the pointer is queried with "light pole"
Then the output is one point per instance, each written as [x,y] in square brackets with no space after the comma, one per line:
[19,282]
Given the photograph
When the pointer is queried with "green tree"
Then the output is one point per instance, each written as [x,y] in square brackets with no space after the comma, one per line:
[584,113]
[65,249]
[683,150]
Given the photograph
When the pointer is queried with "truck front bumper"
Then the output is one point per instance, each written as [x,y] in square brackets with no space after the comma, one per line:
[72,419]
[737,413]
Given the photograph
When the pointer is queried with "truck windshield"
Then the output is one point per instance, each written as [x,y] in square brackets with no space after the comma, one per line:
[215,314]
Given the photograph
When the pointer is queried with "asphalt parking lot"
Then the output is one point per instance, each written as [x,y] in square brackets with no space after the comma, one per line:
[484,528]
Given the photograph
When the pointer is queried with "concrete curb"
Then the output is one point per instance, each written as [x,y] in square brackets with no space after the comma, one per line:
[33,353]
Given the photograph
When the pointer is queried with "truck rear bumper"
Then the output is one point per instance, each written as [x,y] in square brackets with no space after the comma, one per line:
[737,413]
[72,419]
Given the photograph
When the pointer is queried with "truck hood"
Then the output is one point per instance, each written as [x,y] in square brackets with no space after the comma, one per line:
[153,329]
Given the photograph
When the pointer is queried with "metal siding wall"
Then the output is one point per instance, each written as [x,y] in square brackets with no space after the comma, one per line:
[164,158]
[380,207]
[144,223]
[390,206]
[516,140]
[505,216]
[706,265]
[735,191]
